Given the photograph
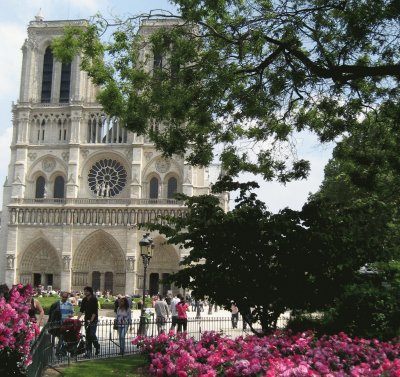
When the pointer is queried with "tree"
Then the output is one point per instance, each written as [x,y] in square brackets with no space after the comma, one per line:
[247,73]
[244,255]
[270,263]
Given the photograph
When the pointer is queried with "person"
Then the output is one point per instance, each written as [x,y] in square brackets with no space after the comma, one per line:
[59,312]
[197,305]
[174,313]
[116,303]
[90,308]
[36,308]
[124,320]
[246,317]
[234,315]
[182,308]
[162,313]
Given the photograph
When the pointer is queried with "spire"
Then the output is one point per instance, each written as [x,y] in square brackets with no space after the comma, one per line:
[39,17]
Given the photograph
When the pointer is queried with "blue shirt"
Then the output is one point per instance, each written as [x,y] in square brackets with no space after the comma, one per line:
[66,309]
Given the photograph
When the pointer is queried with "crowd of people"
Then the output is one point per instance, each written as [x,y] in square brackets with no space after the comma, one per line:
[170,313]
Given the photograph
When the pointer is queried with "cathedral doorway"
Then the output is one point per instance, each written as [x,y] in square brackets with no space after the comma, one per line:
[154,279]
[99,261]
[108,281]
[96,280]
[40,265]
[164,262]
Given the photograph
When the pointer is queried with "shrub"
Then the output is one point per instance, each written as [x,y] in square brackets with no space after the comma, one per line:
[17,331]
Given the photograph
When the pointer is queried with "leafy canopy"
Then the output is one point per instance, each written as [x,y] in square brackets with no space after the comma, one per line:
[245,75]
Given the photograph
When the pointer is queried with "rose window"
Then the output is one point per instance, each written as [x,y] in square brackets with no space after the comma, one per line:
[107,178]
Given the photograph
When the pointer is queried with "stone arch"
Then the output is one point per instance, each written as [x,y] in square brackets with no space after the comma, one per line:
[37,169]
[165,260]
[151,167]
[98,252]
[40,258]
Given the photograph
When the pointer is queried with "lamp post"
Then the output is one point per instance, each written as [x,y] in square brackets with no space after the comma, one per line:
[146,251]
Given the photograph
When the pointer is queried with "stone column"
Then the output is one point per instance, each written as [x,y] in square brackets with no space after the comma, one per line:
[130,280]
[10,269]
[66,273]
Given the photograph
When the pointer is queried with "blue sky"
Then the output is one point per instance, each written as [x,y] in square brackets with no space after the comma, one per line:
[14,18]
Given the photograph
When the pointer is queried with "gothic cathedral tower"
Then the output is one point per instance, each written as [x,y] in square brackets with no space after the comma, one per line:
[78,183]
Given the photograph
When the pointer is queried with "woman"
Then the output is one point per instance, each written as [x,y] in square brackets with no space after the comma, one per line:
[36,307]
[182,308]
[124,319]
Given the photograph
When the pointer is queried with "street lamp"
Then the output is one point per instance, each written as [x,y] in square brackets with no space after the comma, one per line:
[146,251]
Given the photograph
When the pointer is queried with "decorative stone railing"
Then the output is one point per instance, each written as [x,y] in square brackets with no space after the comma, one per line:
[96,202]
[41,216]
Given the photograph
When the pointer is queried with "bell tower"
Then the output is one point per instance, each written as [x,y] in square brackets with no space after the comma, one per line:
[79,182]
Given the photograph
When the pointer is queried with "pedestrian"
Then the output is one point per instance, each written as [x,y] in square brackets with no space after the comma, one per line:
[116,303]
[124,321]
[174,313]
[61,310]
[36,308]
[182,308]
[89,307]
[162,313]
[234,315]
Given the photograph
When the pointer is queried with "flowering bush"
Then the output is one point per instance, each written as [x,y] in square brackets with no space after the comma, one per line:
[278,355]
[17,331]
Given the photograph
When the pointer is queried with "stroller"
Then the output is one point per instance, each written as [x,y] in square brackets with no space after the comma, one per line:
[73,340]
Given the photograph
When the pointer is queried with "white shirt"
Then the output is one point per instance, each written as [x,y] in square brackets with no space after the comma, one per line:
[174,301]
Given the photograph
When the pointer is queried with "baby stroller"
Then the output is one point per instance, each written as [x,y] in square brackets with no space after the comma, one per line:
[73,340]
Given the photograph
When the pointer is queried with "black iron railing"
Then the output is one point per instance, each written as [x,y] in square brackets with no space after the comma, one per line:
[45,352]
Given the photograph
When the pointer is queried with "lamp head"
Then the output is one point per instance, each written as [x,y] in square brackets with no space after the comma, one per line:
[146,246]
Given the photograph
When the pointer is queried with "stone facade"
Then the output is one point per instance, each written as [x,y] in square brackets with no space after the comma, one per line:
[79,183]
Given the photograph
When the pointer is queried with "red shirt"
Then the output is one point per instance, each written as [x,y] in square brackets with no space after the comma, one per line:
[182,308]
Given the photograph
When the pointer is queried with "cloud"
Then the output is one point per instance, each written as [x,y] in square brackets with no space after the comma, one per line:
[12,39]
[5,142]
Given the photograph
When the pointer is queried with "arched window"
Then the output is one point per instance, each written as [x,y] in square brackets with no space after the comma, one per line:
[172,187]
[154,188]
[59,187]
[157,60]
[65,82]
[40,188]
[47,75]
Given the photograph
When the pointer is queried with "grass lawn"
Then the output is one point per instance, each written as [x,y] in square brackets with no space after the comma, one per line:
[129,366]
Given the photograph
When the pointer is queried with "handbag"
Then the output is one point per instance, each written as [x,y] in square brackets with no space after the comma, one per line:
[115,325]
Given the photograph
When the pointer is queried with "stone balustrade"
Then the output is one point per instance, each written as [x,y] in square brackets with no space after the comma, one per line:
[45,216]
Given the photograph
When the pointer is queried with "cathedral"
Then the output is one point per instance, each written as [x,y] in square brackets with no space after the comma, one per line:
[79,183]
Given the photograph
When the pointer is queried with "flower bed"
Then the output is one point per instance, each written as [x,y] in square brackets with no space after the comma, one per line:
[272,356]
[17,331]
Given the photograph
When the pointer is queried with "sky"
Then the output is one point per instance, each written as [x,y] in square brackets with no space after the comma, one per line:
[15,16]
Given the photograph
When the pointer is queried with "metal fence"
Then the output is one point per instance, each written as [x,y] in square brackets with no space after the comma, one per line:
[46,354]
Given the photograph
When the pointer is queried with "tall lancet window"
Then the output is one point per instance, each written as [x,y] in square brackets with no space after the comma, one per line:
[40,188]
[65,82]
[47,76]
[172,187]
[59,187]
[154,188]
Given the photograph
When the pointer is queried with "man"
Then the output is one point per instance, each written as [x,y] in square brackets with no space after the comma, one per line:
[89,307]
[234,315]
[174,313]
[59,312]
[162,313]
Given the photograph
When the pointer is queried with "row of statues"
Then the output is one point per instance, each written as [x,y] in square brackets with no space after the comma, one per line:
[103,190]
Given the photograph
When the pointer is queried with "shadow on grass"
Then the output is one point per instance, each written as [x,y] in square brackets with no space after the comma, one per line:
[129,366]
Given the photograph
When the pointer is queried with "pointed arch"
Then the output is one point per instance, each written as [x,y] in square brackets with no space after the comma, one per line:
[99,252]
[47,75]
[40,258]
